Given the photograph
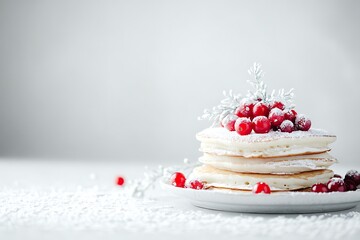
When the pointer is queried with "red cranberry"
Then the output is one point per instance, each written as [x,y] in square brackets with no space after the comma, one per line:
[276,117]
[261,124]
[260,109]
[337,176]
[290,115]
[350,185]
[245,109]
[229,121]
[178,179]
[261,187]
[195,184]
[302,122]
[336,185]
[287,126]
[120,181]
[319,188]
[277,104]
[354,176]
[243,126]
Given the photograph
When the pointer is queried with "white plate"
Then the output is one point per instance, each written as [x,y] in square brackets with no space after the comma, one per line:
[285,202]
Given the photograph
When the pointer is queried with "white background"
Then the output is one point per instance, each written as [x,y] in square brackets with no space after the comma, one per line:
[126,80]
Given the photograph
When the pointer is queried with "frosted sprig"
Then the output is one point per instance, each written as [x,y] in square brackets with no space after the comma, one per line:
[260,93]
[284,97]
[227,106]
[256,74]
[231,101]
[139,187]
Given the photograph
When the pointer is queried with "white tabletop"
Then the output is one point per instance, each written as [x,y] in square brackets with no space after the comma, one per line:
[76,199]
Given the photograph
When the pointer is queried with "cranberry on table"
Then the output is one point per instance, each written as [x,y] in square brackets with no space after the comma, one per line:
[120,181]
[302,122]
[261,187]
[178,179]
[260,109]
[336,185]
[354,176]
[287,126]
[276,117]
[243,126]
[319,188]
[196,184]
[261,124]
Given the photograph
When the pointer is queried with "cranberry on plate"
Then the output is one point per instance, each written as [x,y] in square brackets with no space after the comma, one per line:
[261,187]
[336,185]
[196,184]
[178,179]
[319,188]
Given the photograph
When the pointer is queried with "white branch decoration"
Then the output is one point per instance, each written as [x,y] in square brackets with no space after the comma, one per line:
[227,106]
[231,101]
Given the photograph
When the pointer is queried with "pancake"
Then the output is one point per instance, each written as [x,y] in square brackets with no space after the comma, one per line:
[275,165]
[213,177]
[220,141]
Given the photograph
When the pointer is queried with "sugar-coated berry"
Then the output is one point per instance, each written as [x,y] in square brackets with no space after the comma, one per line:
[243,126]
[261,187]
[178,179]
[354,176]
[287,126]
[319,188]
[120,181]
[260,109]
[350,185]
[276,117]
[245,109]
[277,104]
[261,124]
[302,122]
[196,184]
[229,121]
[290,115]
[336,185]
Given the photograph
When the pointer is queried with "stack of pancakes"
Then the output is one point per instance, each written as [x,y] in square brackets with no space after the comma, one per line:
[285,161]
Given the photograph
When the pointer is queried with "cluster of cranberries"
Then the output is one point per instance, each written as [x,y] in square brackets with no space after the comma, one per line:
[337,184]
[178,179]
[262,117]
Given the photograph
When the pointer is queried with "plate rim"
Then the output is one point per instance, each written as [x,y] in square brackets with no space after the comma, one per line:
[279,200]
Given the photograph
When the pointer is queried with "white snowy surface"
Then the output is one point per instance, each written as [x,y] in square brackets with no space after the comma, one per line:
[76,200]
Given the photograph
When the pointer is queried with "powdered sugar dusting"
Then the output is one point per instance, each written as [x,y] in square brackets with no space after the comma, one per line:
[113,211]
[85,205]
